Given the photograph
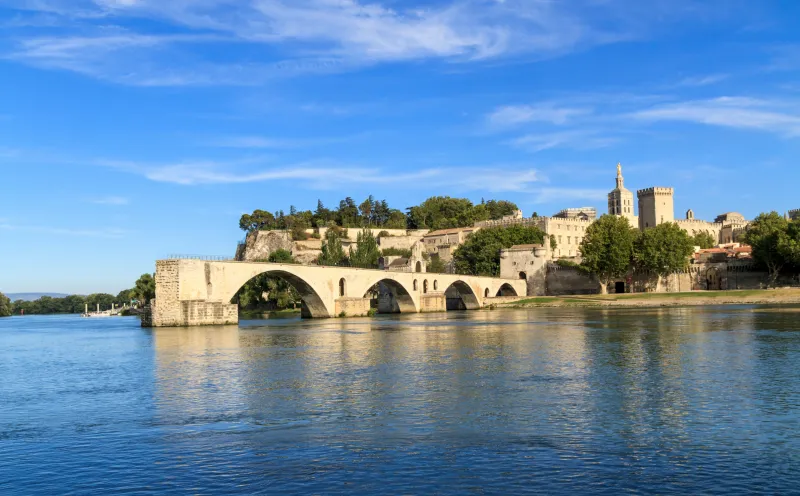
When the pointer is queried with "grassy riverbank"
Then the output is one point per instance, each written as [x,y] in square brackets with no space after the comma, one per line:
[758,296]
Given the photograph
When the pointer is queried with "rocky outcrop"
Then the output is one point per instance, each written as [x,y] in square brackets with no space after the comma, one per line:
[260,244]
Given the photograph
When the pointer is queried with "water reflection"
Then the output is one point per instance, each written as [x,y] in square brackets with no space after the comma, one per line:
[665,400]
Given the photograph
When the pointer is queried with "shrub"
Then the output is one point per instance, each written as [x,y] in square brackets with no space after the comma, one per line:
[396,252]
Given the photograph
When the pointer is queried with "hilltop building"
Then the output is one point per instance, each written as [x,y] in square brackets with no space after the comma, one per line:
[584,213]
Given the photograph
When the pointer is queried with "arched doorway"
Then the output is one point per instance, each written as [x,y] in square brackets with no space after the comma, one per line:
[418,267]
[459,296]
[713,280]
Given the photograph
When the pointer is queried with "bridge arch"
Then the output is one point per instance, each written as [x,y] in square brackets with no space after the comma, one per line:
[395,297]
[506,290]
[313,304]
[461,290]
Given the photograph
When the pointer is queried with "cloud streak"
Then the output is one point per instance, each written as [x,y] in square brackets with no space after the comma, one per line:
[109,233]
[781,118]
[325,175]
[263,39]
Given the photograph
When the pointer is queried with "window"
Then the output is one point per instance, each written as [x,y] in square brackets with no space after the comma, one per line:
[415,285]
[341,287]
[569,240]
[435,285]
[425,286]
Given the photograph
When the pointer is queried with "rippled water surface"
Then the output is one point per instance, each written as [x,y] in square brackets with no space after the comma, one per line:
[686,401]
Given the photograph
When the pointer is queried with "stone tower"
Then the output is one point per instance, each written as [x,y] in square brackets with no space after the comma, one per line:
[620,200]
[656,206]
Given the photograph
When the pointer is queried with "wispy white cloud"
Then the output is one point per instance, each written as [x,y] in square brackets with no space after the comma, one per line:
[331,175]
[266,142]
[577,139]
[111,233]
[104,38]
[110,200]
[513,115]
[702,80]
[779,117]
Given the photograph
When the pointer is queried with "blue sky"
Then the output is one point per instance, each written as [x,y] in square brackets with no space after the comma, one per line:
[134,129]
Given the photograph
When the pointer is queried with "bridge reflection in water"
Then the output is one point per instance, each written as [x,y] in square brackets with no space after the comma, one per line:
[198,292]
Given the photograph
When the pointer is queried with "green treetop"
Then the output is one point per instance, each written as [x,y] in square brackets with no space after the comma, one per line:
[367,253]
[607,249]
[332,250]
[768,234]
[5,306]
[145,289]
[789,245]
[663,249]
[704,240]
[480,253]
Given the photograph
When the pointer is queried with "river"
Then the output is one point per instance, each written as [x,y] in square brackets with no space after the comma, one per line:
[555,401]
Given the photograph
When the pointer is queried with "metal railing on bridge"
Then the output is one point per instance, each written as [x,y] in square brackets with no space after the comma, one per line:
[207,258]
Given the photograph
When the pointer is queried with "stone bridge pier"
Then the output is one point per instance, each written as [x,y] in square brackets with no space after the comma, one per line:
[197,292]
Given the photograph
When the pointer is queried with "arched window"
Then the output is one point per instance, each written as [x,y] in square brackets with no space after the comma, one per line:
[523,275]
[415,285]
[425,286]
[341,287]
[435,285]
[486,293]
[419,266]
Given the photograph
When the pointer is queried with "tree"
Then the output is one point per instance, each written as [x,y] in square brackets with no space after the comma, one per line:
[257,221]
[662,250]
[789,245]
[500,208]
[395,220]
[704,240]
[125,296]
[607,249]
[5,306]
[436,265]
[553,243]
[332,251]
[145,289]
[767,234]
[281,256]
[441,212]
[367,209]
[367,253]
[480,253]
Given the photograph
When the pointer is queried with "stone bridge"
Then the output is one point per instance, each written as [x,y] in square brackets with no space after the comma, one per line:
[197,292]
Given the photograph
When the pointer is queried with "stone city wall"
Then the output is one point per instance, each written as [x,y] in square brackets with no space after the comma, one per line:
[569,281]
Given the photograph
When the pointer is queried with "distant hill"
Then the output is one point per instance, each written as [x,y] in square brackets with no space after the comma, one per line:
[33,296]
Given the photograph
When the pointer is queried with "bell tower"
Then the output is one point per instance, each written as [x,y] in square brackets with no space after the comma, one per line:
[620,200]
